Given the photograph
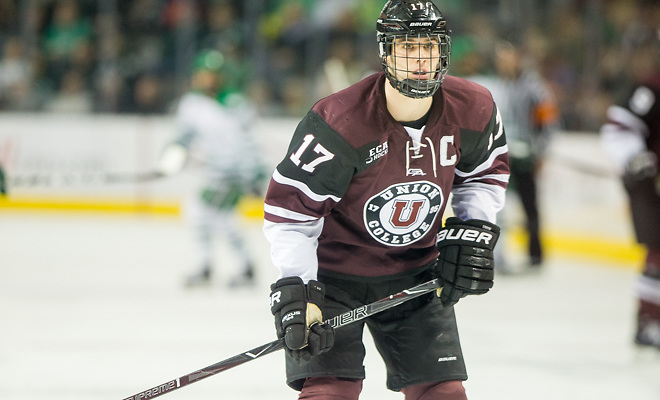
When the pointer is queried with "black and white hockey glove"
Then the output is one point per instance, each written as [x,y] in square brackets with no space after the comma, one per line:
[466,262]
[642,166]
[298,317]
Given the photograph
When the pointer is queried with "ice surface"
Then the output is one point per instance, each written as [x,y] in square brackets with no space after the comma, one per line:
[92,307]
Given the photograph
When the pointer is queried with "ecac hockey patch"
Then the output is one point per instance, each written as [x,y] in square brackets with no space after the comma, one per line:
[403,213]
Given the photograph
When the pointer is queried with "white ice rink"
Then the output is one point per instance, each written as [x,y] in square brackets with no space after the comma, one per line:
[92,307]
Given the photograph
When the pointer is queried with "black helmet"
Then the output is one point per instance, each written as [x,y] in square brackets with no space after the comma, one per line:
[414,20]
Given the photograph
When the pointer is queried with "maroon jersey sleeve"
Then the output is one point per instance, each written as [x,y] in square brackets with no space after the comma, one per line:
[482,173]
[633,124]
[313,176]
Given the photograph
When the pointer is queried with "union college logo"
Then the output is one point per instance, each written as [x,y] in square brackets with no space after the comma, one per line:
[403,213]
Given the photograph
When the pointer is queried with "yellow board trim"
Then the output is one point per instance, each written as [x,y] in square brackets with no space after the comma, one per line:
[250,207]
[119,206]
[627,254]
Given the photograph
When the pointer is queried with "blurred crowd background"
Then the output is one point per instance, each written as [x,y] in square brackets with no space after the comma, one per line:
[136,56]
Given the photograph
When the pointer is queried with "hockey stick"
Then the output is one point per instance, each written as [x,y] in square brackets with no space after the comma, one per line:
[336,322]
[71,179]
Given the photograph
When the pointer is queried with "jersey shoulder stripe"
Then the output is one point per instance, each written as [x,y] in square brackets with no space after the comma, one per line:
[287,214]
[301,186]
[487,164]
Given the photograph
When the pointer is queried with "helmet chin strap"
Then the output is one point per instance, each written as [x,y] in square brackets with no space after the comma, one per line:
[416,83]
[409,85]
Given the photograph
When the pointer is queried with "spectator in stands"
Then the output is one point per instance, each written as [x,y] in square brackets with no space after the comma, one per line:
[73,95]
[285,42]
[66,41]
[148,95]
[16,73]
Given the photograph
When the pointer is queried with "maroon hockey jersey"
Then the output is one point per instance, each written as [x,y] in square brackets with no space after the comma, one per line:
[356,194]
[644,104]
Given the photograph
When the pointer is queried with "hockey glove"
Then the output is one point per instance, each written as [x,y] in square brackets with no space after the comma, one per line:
[641,167]
[466,262]
[298,317]
[173,159]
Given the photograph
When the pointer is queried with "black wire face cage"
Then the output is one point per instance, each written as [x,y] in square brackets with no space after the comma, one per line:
[418,64]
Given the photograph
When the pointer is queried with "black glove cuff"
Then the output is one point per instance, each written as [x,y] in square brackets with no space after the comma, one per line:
[473,232]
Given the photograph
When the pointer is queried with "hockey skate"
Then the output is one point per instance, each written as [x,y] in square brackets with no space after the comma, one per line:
[201,278]
[245,279]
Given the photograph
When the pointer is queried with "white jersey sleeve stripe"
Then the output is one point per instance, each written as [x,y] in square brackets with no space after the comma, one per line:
[496,177]
[500,126]
[486,164]
[284,213]
[625,117]
[282,180]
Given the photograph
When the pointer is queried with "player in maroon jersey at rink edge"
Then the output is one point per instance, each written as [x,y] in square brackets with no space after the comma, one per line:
[632,137]
[354,213]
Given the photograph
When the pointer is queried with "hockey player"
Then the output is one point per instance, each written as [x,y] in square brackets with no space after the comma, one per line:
[632,137]
[215,129]
[354,210]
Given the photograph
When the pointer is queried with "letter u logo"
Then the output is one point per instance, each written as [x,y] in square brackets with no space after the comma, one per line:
[405,212]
